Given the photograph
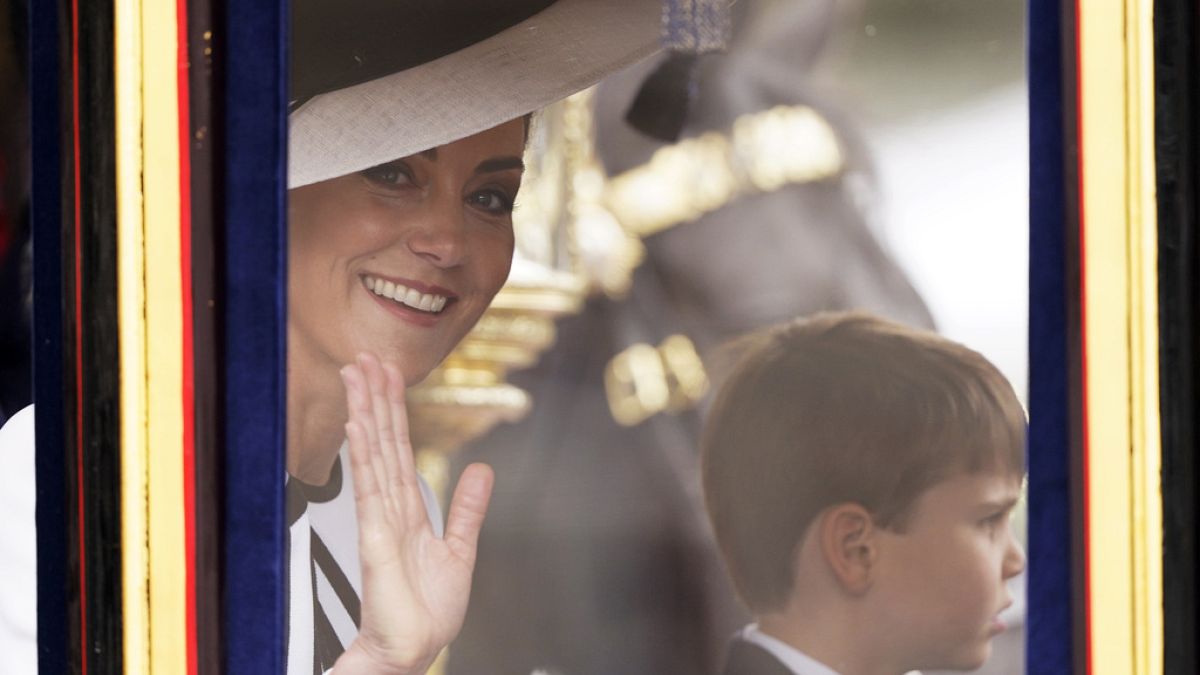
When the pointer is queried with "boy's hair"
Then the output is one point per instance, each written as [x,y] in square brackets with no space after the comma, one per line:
[843,408]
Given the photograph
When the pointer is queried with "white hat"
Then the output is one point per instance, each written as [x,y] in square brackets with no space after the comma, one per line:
[563,46]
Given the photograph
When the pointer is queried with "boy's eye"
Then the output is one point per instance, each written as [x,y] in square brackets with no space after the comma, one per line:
[993,522]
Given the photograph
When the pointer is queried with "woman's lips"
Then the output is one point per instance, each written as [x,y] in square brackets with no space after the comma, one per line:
[409,301]
[412,294]
[420,286]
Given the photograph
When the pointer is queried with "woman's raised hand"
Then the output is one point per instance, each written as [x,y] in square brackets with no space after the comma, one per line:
[415,585]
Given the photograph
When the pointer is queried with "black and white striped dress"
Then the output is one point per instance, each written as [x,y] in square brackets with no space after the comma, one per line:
[323,545]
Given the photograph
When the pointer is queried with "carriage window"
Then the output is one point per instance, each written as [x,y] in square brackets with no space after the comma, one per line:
[574,336]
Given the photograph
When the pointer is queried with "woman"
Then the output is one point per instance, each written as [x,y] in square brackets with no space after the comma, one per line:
[404,168]
[397,260]
[407,126]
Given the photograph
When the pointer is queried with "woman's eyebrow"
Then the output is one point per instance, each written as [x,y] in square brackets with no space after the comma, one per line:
[499,164]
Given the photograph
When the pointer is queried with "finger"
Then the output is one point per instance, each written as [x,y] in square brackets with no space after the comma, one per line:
[378,388]
[404,450]
[360,418]
[365,415]
[358,406]
[403,464]
[468,509]
[367,498]
[352,380]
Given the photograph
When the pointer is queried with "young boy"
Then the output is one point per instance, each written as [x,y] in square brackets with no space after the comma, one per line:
[859,476]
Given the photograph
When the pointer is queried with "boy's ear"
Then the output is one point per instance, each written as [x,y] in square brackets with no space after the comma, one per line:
[848,541]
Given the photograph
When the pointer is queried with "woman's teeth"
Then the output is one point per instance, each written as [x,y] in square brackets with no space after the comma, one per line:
[426,302]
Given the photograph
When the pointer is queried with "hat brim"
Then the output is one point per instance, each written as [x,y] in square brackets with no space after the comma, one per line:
[563,49]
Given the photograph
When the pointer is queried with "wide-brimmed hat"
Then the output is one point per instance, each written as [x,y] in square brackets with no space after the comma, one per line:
[375,80]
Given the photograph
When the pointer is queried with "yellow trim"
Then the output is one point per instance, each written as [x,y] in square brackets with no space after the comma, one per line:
[164,315]
[131,307]
[1120,333]
[1146,455]
[1106,345]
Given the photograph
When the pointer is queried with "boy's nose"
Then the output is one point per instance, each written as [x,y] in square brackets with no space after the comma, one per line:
[1014,558]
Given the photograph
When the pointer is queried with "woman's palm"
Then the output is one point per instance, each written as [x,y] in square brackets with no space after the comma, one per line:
[415,584]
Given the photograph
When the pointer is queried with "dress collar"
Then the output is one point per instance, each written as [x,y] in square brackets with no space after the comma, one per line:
[301,494]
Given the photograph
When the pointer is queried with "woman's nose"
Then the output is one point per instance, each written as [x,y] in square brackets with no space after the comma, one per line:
[440,234]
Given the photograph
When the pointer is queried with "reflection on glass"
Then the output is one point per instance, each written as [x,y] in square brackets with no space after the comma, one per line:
[597,556]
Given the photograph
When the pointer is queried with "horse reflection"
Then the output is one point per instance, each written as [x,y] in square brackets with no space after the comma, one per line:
[596,558]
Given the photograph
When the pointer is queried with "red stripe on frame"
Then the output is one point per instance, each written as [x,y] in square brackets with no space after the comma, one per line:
[83,639]
[1083,369]
[185,271]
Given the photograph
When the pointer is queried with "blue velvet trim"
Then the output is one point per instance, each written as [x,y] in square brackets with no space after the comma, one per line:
[46,209]
[1049,621]
[255,121]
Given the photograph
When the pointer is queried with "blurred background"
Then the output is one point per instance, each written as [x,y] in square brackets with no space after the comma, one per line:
[938,89]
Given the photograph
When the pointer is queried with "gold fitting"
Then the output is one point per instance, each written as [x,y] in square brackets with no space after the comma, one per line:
[643,380]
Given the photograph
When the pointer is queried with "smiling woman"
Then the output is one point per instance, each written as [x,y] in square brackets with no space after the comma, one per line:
[400,233]
[400,260]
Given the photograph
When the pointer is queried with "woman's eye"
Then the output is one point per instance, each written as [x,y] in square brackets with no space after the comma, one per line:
[388,175]
[492,201]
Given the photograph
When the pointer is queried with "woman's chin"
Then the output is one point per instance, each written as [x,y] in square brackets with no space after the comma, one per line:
[412,379]
[414,364]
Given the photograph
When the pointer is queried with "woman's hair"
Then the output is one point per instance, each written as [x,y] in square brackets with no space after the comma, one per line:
[529,121]
[843,408]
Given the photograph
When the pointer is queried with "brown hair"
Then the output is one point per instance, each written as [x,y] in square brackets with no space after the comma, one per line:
[842,408]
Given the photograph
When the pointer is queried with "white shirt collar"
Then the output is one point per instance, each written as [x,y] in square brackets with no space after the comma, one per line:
[796,661]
